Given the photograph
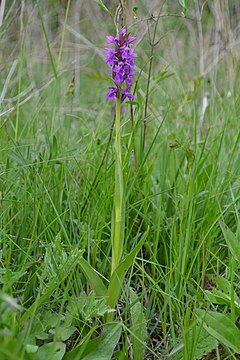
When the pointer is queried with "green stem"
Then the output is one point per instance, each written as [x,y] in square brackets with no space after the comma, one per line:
[63,36]
[118,206]
[118,142]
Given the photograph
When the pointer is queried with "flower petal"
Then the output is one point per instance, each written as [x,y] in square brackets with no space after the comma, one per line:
[110,39]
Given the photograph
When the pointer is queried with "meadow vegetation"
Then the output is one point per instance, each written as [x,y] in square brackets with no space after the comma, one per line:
[176,293]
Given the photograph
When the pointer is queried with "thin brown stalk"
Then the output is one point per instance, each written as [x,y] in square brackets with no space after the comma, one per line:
[153,44]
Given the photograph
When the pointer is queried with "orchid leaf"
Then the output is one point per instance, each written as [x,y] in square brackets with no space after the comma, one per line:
[93,278]
[117,279]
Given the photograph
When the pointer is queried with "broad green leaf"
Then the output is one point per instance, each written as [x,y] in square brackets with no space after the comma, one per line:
[117,279]
[225,286]
[221,327]
[205,344]
[103,346]
[53,351]
[232,241]
[93,278]
[103,6]
[218,297]
[138,327]
[223,294]
[63,333]
[31,349]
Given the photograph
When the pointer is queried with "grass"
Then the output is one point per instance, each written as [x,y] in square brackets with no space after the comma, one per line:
[179,299]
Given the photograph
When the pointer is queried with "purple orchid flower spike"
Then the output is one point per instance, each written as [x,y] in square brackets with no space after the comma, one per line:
[121,61]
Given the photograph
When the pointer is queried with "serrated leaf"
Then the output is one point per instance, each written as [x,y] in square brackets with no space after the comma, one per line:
[221,327]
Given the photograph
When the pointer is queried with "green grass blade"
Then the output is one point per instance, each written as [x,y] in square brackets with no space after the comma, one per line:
[103,6]
[48,44]
[63,36]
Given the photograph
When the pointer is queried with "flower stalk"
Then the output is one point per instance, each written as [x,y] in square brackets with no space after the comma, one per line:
[118,223]
[121,61]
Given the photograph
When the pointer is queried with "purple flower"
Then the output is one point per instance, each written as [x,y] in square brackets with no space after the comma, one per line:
[110,56]
[131,39]
[112,93]
[118,78]
[111,40]
[120,68]
[121,61]
[123,31]
[127,94]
